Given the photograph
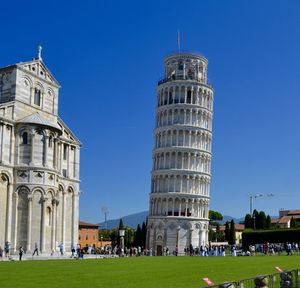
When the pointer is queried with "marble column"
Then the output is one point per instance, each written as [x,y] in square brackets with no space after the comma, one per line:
[53,226]
[29,221]
[9,213]
[16,196]
[46,143]
[32,149]
[64,218]
[2,144]
[43,232]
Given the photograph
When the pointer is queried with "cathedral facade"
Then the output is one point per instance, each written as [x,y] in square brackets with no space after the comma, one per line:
[180,191]
[39,162]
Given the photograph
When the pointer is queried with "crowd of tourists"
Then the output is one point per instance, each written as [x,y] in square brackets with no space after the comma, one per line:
[275,248]
[205,251]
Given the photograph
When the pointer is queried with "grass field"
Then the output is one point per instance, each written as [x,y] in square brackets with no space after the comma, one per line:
[139,272]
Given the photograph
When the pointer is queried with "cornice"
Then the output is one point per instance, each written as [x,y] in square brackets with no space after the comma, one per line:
[181,127]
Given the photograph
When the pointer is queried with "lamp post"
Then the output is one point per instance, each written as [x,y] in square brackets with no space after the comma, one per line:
[122,234]
[252,197]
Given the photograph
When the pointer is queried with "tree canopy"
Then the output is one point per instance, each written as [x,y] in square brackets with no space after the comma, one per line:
[214,215]
[258,220]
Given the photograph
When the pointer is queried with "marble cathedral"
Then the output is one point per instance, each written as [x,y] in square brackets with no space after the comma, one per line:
[39,162]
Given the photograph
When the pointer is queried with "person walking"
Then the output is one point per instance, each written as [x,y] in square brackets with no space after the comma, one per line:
[6,248]
[21,251]
[36,249]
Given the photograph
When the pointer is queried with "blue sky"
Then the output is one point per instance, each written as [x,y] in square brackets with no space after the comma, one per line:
[108,56]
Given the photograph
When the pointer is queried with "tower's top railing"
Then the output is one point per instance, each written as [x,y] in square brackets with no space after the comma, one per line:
[182,77]
[185,54]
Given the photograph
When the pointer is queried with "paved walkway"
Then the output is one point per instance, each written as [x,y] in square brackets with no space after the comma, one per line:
[67,256]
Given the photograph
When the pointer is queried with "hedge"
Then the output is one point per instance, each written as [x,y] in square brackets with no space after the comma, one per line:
[270,236]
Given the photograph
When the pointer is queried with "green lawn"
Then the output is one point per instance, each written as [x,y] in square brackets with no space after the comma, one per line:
[139,272]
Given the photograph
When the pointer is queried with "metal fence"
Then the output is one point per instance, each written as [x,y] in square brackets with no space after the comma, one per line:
[286,279]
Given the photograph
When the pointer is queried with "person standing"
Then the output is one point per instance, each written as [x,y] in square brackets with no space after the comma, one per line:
[1,252]
[21,251]
[78,250]
[6,248]
[61,249]
[36,249]
[72,250]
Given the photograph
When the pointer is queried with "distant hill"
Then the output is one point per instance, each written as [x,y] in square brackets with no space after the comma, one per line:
[130,220]
[229,218]
[138,218]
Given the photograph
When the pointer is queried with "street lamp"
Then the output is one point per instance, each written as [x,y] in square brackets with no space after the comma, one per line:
[252,197]
[122,234]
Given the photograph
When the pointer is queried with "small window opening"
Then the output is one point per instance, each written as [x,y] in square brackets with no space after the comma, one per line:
[37,97]
[50,142]
[180,65]
[65,152]
[189,96]
[25,138]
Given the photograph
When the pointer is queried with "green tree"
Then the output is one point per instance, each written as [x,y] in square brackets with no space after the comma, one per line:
[129,237]
[227,231]
[138,236]
[232,233]
[214,215]
[105,234]
[294,223]
[219,235]
[211,235]
[144,234]
[114,237]
[248,221]
[268,222]
[261,220]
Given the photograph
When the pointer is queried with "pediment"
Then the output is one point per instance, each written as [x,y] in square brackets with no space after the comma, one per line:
[39,69]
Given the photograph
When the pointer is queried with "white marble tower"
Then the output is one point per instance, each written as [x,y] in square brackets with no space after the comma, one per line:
[180,190]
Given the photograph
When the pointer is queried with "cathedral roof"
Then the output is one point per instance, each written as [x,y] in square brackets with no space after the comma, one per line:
[36,118]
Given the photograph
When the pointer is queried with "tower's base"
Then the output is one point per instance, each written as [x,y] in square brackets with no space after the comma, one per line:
[176,235]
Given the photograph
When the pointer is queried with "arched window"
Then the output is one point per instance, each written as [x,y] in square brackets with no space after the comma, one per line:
[65,152]
[190,74]
[25,138]
[48,216]
[170,98]
[180,65]
[189,96]
[37,97]
[50,141]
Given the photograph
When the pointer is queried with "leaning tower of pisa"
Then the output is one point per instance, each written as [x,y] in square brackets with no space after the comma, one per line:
[180,186]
